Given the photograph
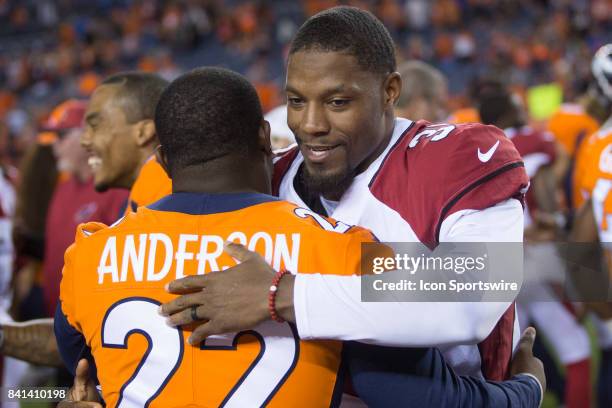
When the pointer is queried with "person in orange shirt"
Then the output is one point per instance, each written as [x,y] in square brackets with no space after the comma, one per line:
[114,277]
[119,130]
[571,124]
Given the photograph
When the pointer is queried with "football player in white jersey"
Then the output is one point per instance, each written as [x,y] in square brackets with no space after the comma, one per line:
[404,180]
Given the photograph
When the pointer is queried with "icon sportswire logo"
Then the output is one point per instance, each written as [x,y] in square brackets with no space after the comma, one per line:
[485,157]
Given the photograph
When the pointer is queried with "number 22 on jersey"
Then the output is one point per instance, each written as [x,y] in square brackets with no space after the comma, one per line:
[277,357]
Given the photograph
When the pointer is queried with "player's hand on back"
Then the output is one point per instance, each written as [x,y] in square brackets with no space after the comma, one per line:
[83,393]
[524,362]
[222,302]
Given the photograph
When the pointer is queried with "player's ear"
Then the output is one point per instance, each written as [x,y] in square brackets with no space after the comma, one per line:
[264,138]
[160,155]
[392,88]
[145,132]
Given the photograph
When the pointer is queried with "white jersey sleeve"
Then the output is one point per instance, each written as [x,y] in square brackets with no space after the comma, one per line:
[330,306]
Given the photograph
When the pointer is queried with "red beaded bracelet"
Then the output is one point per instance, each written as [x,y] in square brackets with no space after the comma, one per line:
[272,295]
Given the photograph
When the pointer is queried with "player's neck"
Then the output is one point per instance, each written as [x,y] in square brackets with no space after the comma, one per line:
[224,175]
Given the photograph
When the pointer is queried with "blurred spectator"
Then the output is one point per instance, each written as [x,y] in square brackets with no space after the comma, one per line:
[424,92]
[38,177]
[49,49]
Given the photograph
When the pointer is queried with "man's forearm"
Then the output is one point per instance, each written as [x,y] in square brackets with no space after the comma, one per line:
[284,298]
[32,341]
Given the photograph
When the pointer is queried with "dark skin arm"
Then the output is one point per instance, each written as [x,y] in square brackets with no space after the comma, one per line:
[545,185]
[248,283]
[32,341]
[83,393]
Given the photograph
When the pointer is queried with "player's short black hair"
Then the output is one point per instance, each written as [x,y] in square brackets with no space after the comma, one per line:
[493,101]
[140,92]
[205,114]
[352,31]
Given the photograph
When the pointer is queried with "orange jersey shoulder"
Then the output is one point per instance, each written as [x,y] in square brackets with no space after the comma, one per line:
[593,178]
[113,284]
[571,123]
[594,161]
[151,184]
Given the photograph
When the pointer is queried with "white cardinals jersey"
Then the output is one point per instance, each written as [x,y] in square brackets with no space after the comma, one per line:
[433,183]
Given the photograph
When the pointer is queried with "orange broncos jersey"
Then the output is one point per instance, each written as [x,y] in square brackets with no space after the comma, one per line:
[594,179]
[113,283]
[151,184]
[570,124]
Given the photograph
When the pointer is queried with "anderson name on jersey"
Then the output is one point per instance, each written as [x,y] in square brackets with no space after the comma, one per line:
[113,283]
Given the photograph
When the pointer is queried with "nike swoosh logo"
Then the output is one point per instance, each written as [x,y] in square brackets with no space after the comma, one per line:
[485,157]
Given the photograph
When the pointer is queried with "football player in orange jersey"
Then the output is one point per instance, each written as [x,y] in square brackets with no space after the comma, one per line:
[572,124]
[269,363]
[120,133]
[593,222]
[220,193]
[120,136]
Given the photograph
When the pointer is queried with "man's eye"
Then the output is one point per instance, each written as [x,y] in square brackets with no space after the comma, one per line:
[339,103]
[294,101]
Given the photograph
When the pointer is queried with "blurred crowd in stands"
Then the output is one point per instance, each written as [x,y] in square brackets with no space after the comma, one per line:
[53,50]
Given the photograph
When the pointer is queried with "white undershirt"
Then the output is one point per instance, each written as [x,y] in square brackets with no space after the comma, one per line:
[329,205]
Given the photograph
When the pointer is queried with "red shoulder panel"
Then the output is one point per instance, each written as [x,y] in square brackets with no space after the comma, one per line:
[436,170]
[281,165]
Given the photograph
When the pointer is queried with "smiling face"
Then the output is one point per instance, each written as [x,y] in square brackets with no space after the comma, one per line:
[112,142]
[341,115]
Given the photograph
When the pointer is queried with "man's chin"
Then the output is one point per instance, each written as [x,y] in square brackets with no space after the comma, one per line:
[327,183]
